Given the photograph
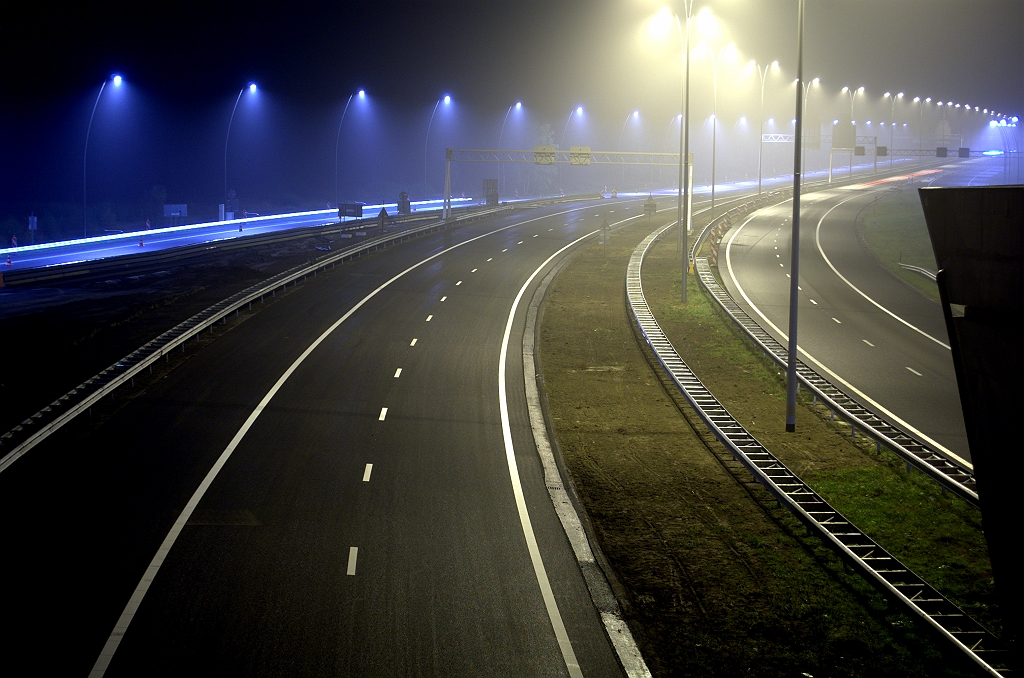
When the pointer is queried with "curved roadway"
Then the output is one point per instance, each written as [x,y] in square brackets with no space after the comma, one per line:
[870,334]
[363,522]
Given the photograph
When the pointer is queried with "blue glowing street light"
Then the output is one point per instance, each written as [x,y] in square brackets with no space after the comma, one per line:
[362,95]
[252,90]
[85,154]
[447,100]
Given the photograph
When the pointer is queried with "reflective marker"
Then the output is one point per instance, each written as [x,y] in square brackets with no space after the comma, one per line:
[429,317]
[914,371]
[383,413]
[868,343]
[458,283]
[443,298]
[366,473]
[398,373]
[412,343]
[353,553]
[473,271]
[505,250]
[489,258]
[535,235]
[838,321]
[813,302]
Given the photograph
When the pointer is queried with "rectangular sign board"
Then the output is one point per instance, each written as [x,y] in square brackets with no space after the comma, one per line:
[579,155]
[544,155]
[171,210]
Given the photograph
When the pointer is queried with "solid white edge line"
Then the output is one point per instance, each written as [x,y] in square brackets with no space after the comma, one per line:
[110,647]
[861,394]
[615,627]
[817,241]
[366,473]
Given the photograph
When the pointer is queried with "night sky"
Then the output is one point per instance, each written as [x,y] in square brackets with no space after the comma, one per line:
[184,63]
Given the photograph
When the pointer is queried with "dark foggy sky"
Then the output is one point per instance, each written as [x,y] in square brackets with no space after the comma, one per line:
[185,62]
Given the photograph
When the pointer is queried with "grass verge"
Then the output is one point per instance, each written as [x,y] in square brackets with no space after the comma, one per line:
[895,231]
[720,581]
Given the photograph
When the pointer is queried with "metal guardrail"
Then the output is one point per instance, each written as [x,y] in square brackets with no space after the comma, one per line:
[950,475]
[875,564]
[931,275]
[32,431]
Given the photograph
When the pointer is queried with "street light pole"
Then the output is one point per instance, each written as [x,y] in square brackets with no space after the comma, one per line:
[425,140]
[618,146]
[501,166]
[715,60]
[85,157]
[807,93]
[336,145]
[763,72]
[794,265]
[683,195]
[226,138]
[892,120]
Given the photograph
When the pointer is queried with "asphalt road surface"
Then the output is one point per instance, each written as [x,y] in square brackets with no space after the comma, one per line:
[364,522]
[872,335]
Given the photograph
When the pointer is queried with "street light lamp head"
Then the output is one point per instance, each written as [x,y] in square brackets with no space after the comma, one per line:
[835,122]
[117,81]
[928,100]
[636,114]
[519,105]
[899,95]
[362,94]
[886,95]
[447,99]
[775,65]
[861,89]
[661,23]
[845,90]
[816,81]
[252,88]
[917,99]
[707,24]
[579,110]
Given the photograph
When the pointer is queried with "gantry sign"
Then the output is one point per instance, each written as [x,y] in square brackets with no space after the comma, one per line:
[549,155]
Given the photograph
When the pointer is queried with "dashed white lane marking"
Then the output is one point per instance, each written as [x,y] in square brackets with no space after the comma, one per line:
[868,343]
[778,256]
[551,229]
[473,271]
[366,473]
[914,371]
[838,321]
[458,283]
[398,373]
[814,302]
[444,297]
[413,342]
[782,265]
[490,258]
[353,553]
[505,250]
[429,317]
[383,413]
[106,654]
[785,337]
[520,242]
[535,235]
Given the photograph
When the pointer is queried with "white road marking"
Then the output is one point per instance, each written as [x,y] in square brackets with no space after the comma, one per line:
[813,302]
[383,413]
[817,241]
[353,553]
[535,235]
[429,317]
[838,321]
[458,283]
[520,242]
[782,265]
[785,337]
[413,342]
[914,371]
[366,473]
[490,258]
[868,343]
[398,373]
[505,250]
[550,603]
[444,297]
[130,609]
[473,271]
[551,229]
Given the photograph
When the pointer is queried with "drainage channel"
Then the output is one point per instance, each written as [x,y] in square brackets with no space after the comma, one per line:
[873,562]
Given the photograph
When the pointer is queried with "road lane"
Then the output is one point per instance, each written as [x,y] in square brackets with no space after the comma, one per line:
[871,331]
[258,580]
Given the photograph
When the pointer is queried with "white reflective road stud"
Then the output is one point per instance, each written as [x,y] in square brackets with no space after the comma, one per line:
[353,553]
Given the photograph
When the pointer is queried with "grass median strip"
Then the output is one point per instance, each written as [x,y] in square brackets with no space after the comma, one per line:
[719,580]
